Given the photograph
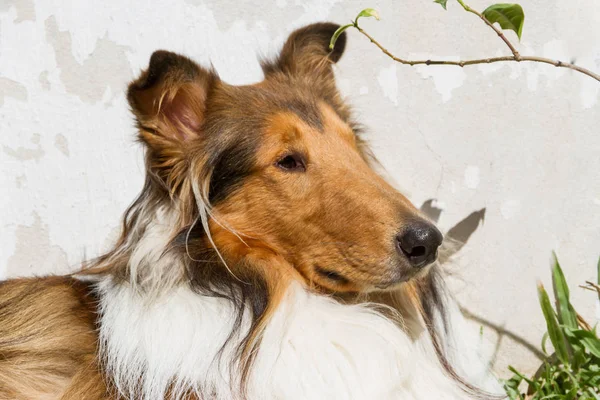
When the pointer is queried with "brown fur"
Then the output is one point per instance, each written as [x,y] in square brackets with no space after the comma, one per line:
[324,203]
[48,340]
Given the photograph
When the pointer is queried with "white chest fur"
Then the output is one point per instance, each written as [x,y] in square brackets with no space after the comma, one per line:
[313,348]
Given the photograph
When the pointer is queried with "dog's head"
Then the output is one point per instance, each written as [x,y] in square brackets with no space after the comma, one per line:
[279,169]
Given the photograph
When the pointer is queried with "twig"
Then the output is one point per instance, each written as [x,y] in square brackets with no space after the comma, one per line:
[515,57]
[591,286]
[498,31]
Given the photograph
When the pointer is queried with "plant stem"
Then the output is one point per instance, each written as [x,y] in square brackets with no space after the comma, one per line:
[591,286]
[519,58]
[499,32]
[583,323]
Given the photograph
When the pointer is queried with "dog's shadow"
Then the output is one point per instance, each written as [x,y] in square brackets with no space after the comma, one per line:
[455,239]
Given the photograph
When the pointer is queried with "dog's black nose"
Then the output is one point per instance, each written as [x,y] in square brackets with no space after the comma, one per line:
[419,242]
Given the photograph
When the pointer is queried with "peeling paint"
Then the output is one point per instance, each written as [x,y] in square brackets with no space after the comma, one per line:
[25,153]
[445,79]
[106,67]
[10,88]
[25,9]
[25,261]
[61,143]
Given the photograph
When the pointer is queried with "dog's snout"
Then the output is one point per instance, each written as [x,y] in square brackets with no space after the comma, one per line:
[419,242]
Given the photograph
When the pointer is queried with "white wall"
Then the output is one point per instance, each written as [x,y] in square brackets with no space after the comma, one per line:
[521,141]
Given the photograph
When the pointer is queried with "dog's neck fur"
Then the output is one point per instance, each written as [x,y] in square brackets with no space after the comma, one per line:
[160,336]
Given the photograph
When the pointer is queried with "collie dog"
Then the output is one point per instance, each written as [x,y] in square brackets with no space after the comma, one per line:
[263,259]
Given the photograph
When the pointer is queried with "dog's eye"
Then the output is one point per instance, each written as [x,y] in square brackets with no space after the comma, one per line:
[292,162]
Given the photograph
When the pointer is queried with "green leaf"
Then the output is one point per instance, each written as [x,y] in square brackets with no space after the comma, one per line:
[590,342]
[367,12]
[337,34]
[544,340]
[511,387]
[566,313]
[441,2]
[587,339]
[509,16]
[571,395]
[593,393]
[554,332]
[520,375]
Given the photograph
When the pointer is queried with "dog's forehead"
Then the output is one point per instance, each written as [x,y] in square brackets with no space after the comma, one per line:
[254,105]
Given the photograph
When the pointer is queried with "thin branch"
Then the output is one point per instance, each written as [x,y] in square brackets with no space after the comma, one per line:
[556,63]
[591,286]
[512,48]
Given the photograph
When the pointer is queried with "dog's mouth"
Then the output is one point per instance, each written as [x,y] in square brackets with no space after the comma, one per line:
[392,284]
[398,275]
[404,276]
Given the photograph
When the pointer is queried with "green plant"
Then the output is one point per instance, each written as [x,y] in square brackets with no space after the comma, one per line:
[508,16]
[573,370]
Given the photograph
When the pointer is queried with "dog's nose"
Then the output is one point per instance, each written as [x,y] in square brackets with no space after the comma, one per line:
[419,242]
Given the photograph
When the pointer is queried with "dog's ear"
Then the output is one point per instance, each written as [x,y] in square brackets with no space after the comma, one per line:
[169,103]
[169,98]
[306,52]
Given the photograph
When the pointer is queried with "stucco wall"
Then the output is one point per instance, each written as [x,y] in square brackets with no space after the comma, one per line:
[516,147]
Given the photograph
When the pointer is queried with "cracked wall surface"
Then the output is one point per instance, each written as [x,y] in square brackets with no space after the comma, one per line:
[505,156]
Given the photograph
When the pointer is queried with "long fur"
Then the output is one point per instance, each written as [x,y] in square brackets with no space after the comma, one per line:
[207,294]
[313,348]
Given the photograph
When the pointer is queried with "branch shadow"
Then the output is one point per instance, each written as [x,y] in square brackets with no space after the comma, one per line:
[503,332]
